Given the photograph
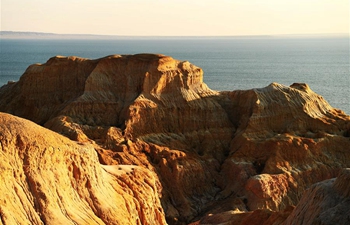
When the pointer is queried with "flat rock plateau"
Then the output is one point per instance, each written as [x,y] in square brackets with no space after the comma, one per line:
[140,139]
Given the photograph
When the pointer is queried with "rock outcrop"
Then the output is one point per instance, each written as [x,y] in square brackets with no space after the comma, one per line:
[210,156]
[48,179]
[284,134]
[326,203]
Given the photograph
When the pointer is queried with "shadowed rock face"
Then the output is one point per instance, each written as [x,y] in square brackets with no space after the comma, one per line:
[239,155]
[326,202]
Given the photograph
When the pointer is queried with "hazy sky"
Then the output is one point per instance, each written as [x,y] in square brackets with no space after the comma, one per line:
[176,17]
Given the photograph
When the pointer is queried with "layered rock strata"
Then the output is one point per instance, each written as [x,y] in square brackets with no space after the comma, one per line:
[326,202]
[48,179]
[210,153]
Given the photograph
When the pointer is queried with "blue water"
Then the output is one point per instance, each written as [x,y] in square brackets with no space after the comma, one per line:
[228,63]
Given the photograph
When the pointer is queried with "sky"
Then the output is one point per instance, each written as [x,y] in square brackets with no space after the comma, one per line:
[177,17]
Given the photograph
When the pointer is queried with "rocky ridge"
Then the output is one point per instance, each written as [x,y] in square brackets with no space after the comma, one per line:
[205,154]
[52,180]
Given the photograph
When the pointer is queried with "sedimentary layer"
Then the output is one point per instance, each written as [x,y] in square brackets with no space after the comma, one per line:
[157,133]
[49,179]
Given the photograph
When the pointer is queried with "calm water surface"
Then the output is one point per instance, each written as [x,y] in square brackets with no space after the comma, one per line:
[228,63]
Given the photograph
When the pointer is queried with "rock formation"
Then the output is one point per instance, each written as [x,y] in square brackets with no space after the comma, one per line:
[196,154]
[326,202]
[48,179]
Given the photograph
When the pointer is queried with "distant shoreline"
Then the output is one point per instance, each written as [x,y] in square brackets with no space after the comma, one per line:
[42,35]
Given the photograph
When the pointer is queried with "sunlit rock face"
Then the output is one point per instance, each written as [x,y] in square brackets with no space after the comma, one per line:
[168,147]
[287,139]
[49,179]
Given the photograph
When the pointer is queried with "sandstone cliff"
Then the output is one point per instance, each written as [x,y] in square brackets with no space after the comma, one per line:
[251,152]
[325,203]
[284,135]
[48,179]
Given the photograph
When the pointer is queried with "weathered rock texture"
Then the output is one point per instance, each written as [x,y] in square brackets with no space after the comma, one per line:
[209,154]
[326,203]
[287,139]
[48,179]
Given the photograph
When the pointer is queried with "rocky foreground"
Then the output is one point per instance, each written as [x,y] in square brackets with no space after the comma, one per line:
[140,139]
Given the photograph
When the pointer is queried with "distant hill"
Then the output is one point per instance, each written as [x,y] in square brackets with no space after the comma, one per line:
[40,35]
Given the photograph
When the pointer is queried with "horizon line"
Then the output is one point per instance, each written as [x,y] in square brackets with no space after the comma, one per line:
[46,34]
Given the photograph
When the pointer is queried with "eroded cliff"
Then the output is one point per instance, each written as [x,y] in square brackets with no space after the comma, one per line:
[204,152]
[49,179]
